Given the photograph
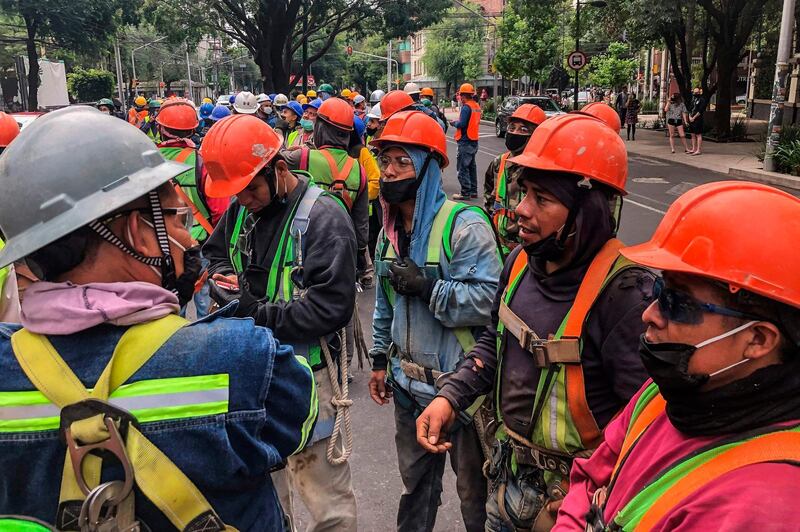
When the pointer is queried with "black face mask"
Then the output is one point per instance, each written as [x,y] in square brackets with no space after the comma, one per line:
[515,142]
[548,249]
[668,365]
[395,192]
[193,267]
[371,131]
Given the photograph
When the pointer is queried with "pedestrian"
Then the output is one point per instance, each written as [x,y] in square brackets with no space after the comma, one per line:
[264,111]
[711,443]
[484,96]
[620,104]
[467,134]
[177,123]
[696,120]
[677,115]
[437,265]
[502,194]
[632,107]
[561,356]
[286,252]
[181,406]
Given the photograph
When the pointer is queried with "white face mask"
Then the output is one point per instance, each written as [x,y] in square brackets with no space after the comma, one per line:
[722,337]
[130,240]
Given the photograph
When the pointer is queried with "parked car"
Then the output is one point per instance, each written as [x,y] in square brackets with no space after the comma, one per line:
[26,118]
[511,103]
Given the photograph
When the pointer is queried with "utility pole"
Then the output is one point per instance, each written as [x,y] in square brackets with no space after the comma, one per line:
[577,49]
[188,74]
[389,66]
[662,100]
[779,87]
[305,47]
[120,81]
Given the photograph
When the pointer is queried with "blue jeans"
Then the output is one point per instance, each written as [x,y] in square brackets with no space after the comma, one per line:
[467,170]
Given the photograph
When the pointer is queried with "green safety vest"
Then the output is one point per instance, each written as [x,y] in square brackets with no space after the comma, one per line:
[679,480]
[4,271]
[563,423]
[504,214]
[438,256]
[188,182]
[327,173]
[279,282]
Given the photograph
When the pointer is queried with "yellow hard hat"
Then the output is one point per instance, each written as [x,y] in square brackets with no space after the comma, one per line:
[346,93]
[207,100]
[311,94]
[302,100]
[140,101]
[299,97]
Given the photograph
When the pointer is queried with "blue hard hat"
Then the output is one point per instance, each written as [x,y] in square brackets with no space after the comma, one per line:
[220,112]
[359,126]
[315,103]
[296,107]
[206,109]
[232,99]
[272,96]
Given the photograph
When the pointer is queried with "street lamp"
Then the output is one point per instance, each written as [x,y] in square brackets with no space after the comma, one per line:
[578,4]
[133,60]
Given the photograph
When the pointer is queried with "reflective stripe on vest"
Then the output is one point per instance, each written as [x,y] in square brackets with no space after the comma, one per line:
[565,424]
[503,214]
[148,400]
[188,183]
[346,182]
[437,257]
[279,281]
[474,122]
[671,486]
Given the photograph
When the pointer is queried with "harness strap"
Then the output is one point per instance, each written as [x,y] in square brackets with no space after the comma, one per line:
[198,216]
[500,185]
[155,474]
[340,176]
[649,406]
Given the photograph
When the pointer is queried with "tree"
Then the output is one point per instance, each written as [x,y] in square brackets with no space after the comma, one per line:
[80,25]
[611,69]
[90,85]
[273,31]
[454,47]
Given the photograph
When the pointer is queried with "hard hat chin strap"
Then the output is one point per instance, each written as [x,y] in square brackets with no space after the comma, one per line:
[164,263]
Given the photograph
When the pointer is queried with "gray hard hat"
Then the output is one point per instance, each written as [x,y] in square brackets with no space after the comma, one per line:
[55,181]
[376,96]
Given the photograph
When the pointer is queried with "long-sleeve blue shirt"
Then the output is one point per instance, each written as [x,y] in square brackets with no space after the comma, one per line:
[463,120]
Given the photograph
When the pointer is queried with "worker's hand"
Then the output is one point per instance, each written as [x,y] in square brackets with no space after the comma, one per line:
[230,279]
[409,280]
[226,291]
[248,303]
[378,390]
[433,423]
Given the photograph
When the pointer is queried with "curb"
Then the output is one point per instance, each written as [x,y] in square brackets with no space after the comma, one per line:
[769,178]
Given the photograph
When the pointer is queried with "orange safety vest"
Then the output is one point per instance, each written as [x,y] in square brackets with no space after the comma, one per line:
[136,117]
[474,121]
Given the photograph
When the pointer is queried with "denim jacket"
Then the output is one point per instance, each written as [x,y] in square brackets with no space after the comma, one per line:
[422,330]
[267,414]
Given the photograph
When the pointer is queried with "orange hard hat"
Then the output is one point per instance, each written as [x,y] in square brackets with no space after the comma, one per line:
[393,102]
[698,236]
[426,91]
[9,129]
[578,144]
[177,113]
[337,112]
[466,88]
[234,151]
[529,112]
[353,95]
[603,112]
[415,128]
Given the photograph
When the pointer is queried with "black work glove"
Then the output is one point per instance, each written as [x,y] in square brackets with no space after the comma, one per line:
[407,279]
[361,261]
[221,296]
[248,303]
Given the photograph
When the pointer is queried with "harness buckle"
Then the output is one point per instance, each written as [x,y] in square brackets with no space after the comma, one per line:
[114,444]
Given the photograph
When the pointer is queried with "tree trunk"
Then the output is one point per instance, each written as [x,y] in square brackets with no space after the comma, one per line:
[726,70]
[33,64]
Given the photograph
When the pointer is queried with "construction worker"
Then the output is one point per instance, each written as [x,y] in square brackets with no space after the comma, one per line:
[9,130]
[182,407]
[304,135]
[279,102]
[137,113]
[286,251]
[219,112]
[149,126]
[376,97]
[360,106]
[375,209]
[438,266]
[311,94]
[334,170]
[561,358]
[427,94]
[412,89]
[224,101]
[373,122]
[9,295]
[291,114]
[325,91]
[205,112]
[177,123]
[395,101]
[467,134]
[501,192]
[345,93]
[245,103]
[106,105]
[265,112]
[359,151]
[603,112]
[711,443]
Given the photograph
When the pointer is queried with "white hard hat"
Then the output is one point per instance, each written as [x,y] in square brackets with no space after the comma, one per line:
[358,99]
[376,96]
[375,112]
[411,88]
[281,100]
[224,100]
[245,103]
[261,98]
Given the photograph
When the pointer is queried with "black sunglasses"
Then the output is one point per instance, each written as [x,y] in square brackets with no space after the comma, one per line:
[680,307]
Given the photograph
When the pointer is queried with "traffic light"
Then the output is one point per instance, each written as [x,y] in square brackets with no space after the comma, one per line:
[349,50]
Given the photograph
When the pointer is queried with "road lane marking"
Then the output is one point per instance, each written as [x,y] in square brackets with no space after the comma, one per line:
[643,206]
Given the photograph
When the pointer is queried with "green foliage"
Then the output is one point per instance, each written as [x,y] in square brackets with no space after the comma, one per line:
[454,49]
[529,43]
[787,157]
[612,69]
[649,107]
[90,85]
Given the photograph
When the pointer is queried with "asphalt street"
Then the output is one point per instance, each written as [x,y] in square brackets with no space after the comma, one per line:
[652,184]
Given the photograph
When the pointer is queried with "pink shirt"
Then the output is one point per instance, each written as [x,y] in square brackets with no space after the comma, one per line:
[759,497]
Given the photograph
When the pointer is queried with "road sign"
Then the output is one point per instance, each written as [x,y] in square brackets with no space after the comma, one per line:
[576,60]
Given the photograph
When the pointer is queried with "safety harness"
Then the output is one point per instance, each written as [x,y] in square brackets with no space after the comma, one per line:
[680,479]
[95,429]
[188,189]
[504,215]
[347,182]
